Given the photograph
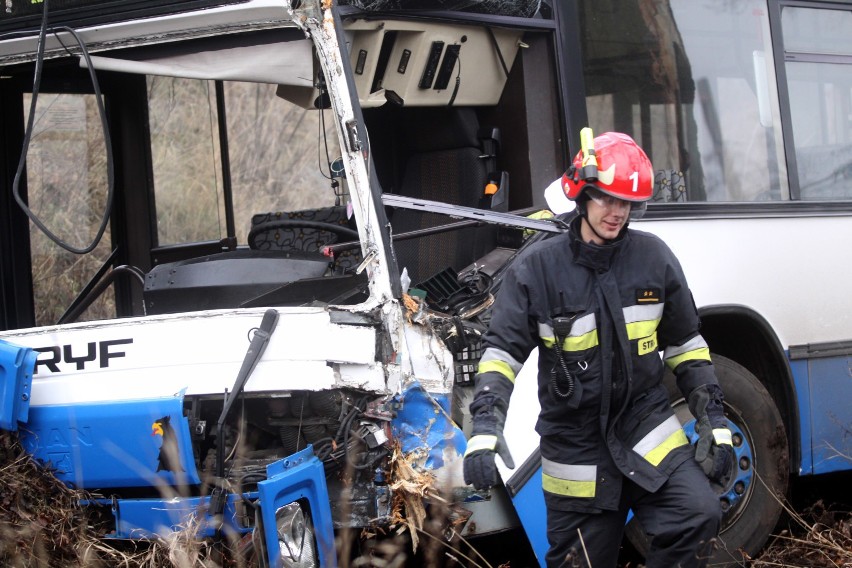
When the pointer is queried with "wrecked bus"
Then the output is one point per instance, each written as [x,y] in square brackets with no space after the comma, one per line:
[249,247]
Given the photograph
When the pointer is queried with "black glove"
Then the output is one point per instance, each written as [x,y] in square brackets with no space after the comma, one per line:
[479,467]
[714,450]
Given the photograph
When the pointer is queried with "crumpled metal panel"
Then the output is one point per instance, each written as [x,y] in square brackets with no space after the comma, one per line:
[423,426]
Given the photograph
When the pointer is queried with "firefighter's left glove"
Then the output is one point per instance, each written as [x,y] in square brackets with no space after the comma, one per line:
[714,450]
[480,470]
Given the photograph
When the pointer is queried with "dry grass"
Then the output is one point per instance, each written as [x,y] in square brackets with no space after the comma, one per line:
[819,537]
[42,524]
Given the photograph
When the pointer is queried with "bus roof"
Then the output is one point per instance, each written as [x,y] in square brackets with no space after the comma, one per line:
[20,46]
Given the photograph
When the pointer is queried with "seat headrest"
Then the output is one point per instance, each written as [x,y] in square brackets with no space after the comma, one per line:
[433,129]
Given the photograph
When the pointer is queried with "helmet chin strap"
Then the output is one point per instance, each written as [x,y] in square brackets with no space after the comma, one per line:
[592,228]
[581,209]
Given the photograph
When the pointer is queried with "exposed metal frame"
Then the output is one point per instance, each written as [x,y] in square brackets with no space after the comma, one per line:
[569,66]
[17,308]
[360,131]
[133,223]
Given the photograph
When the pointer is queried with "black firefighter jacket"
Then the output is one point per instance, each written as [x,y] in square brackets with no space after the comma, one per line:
[626,302]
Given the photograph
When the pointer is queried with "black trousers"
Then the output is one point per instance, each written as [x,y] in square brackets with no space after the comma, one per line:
[682,520]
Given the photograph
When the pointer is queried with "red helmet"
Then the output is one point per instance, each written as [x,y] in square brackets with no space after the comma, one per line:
[623,169]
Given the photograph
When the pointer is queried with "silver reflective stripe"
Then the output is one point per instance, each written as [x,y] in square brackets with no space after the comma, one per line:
[643,313]
[723,436]
[481,442]
[569,472]
[657,436]
[696,342]
[584,325]
[581,326]
[494,354]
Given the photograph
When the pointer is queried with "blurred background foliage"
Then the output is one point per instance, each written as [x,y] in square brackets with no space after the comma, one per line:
[278,152]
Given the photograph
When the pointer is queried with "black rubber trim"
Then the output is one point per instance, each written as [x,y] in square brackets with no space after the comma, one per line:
[524,473]
[471,18]
[821,350]
[782,374]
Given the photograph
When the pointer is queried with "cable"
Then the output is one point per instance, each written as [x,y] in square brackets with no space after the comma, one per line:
[562,326]
[458,83]
[247,477]
[321,137]
[499,52]
[554,376]
[369,462]
[39,68]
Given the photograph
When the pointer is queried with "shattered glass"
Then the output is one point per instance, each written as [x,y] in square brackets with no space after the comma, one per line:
[518,8]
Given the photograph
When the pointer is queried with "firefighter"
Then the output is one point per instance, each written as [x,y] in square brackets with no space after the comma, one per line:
[601,302]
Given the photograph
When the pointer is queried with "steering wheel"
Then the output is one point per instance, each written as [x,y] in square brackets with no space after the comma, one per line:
[339,231]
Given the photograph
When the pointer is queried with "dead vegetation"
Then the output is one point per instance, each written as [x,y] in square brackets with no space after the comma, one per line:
[42,524]
[818,537]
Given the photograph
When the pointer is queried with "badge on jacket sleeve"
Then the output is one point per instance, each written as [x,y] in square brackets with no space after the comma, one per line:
[648,295]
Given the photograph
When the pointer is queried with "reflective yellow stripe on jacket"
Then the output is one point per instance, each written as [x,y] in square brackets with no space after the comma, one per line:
[584,334]
[568,480]
[499,361]
[657,443]
[642,321]
[693,350]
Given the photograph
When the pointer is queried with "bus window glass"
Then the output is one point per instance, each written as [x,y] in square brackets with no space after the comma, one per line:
[693,83]
[818,52]
[186,160]
[69,200]
[807,30]
[279,154]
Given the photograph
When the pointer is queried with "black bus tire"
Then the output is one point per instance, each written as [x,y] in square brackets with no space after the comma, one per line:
[748,523]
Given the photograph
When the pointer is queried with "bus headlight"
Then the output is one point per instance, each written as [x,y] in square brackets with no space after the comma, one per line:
[295,537]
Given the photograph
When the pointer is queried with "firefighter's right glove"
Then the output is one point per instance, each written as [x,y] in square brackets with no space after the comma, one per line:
[486,441]
[714,450]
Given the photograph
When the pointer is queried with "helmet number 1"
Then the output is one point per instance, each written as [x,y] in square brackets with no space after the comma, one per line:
[635,177]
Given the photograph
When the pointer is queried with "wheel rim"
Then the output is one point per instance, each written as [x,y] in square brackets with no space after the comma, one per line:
[734,495]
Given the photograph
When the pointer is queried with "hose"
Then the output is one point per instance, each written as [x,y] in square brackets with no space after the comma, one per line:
[39,66]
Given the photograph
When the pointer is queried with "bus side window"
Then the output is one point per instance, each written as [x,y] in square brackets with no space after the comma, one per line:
[818,53]
[694,84]
[66,188]
[186,160]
